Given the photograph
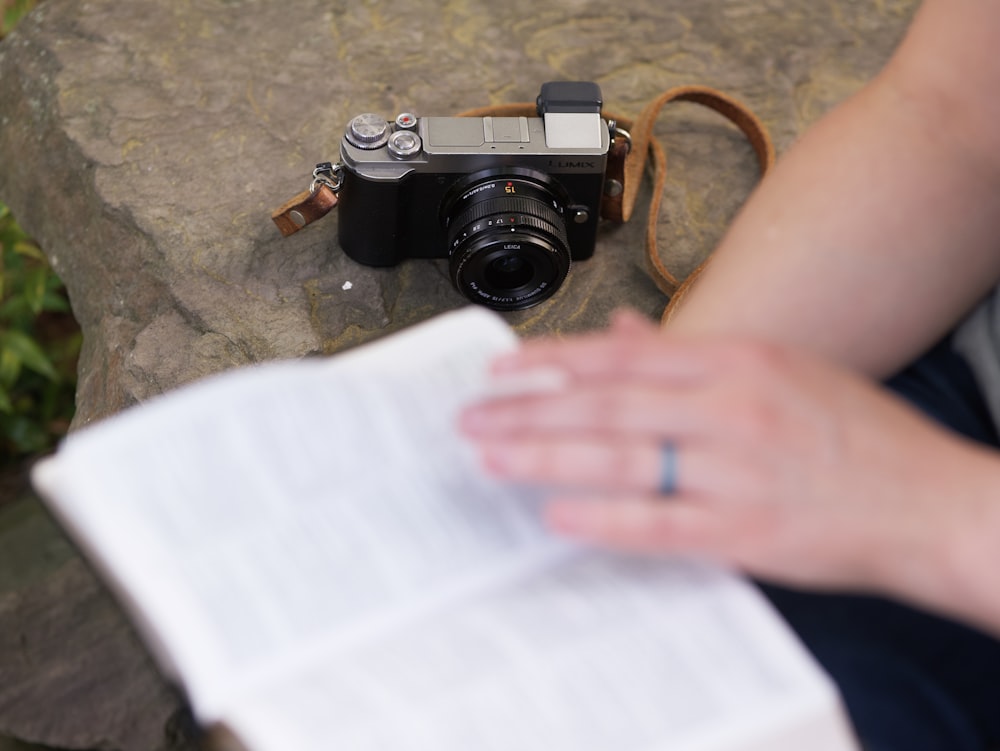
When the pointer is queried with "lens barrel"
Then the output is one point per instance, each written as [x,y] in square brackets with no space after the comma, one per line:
[507,243]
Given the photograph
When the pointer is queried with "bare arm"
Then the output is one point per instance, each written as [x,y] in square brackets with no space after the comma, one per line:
[881,226]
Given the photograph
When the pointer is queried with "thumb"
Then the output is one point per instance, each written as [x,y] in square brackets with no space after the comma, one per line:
[628,321]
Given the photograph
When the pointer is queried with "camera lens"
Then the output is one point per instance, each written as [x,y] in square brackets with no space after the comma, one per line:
[509,272]
[507,242]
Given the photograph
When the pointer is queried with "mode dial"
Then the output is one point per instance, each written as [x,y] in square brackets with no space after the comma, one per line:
[368,131]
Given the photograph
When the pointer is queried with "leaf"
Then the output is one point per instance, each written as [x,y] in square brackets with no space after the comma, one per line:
[13,266]
[27,436]
[10,367]
[34,288]
[36,396]
[14,309]
[56,302]
[31,250]
[31,355]
[12,13]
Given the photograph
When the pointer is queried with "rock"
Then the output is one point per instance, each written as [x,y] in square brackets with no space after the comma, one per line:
[148,142]
[145,143]
[103,691]
[100,689]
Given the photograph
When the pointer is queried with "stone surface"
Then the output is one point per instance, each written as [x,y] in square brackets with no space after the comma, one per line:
[144,144]
[102,690]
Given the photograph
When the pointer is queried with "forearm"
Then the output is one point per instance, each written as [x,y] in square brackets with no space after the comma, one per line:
[945,553]
[875,233]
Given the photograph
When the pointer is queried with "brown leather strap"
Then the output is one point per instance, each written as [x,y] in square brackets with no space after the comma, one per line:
[305,208]
[643,142]
[614,180]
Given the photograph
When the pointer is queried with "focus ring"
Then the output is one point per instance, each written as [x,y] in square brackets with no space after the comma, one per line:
[508,205]
[528,216]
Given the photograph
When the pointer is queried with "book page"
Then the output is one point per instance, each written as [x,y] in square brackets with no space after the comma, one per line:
[595,653]
[248,517]
[311,544]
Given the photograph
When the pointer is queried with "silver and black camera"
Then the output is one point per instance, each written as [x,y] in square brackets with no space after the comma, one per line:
[510,201]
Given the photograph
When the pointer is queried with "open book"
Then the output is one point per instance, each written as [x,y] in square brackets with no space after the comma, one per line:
[312,553]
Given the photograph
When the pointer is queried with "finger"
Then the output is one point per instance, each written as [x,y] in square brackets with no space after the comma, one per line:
[637,411]
[571,463]
[627,352]
[622,466]
[630,322]
[640,524]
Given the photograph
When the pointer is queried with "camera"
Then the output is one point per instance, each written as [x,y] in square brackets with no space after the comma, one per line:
[509,201]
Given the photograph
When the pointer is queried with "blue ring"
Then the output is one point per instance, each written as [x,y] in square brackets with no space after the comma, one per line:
[668,469]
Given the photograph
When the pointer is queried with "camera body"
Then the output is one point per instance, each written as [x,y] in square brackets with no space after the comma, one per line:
[510,201]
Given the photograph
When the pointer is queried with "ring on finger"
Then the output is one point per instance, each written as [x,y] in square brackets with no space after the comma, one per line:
[668,469]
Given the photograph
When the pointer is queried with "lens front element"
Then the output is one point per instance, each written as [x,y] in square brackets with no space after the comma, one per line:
[509,272]
[507,243]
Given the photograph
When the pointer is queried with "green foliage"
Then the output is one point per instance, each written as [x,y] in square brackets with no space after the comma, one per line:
[39,344]
[39,340]
[12,12]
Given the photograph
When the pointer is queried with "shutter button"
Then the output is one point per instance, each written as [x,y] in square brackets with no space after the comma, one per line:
[404,144]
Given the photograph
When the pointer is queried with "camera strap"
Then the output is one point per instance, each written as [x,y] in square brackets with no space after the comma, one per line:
[645,143]
[633,146]
[309,205]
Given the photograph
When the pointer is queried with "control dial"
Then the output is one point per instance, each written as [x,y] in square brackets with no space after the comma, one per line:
[368,131]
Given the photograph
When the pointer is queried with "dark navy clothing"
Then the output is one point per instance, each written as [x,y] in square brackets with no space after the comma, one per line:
[911,681]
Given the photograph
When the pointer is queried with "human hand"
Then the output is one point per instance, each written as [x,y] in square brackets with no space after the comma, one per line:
[786,467]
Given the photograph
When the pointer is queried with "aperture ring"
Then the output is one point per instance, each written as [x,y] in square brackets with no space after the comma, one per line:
[500,227]
[507,216]
[508,205]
